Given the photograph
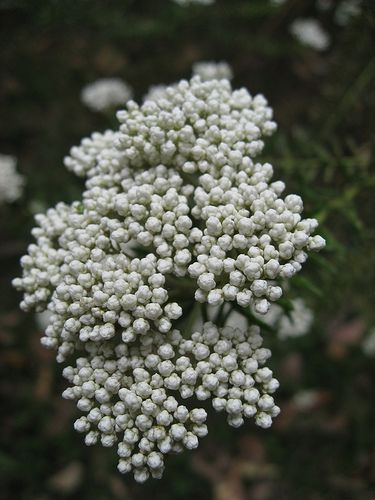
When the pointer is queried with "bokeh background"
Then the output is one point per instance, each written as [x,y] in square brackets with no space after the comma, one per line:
[322,445]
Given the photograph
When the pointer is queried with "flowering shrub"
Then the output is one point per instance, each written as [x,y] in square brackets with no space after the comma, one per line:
[176,212]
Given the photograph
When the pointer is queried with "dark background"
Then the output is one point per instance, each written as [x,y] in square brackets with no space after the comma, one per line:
[322,444]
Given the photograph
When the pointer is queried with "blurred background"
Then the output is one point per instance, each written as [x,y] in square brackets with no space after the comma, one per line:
[319,77]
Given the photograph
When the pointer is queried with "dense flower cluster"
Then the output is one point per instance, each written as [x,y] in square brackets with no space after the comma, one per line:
[175,211]
[210,70]
[131,393]
[309,32]
[106,93]
[11,182]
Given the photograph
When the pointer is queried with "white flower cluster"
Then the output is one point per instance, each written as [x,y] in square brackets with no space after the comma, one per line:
[11,182]
[91,291]
[296,323]
[106,93]
[210,70]
[175,211]
[131,394]
[309,32]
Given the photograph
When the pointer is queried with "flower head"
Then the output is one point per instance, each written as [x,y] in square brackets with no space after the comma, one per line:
[368,344]
[347,10]
[175,211]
